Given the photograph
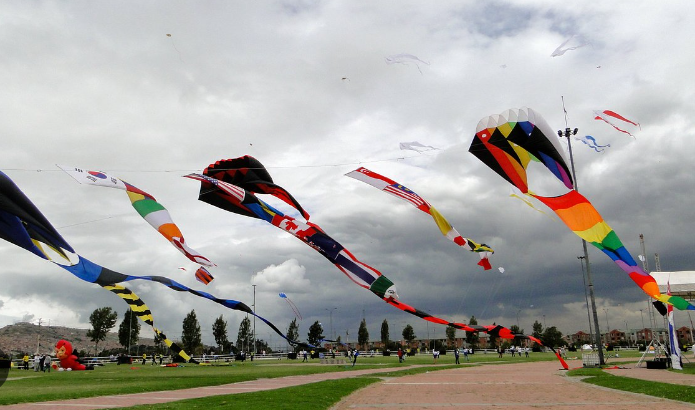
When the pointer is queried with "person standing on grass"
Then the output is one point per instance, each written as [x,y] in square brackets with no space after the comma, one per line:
[355,353]
[47,363]
[457,355]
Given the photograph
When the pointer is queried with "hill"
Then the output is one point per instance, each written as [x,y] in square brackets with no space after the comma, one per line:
[23,337]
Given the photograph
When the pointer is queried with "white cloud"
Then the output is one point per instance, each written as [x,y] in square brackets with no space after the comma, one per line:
[286,277]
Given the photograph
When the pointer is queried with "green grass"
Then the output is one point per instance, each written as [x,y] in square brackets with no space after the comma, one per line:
[664,390]
[28,386]
[314,396]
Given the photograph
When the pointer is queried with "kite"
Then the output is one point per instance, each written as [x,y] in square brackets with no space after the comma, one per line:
[569,45]
[416,146]
[292,305]
[241,199]
[591,142]
[674,348]
[508,142]
[174,44]
[145,204]
[22,224]
[405,59]
[391,187]
[68,361]
[203,276]
[609,116]
[504,143]
[248,172]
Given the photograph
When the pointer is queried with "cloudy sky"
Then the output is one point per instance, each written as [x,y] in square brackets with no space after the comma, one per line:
[304,87]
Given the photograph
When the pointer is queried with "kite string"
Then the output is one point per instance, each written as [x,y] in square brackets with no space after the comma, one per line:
[327,165]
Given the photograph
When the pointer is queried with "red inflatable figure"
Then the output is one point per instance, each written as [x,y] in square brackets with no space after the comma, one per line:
[68,361]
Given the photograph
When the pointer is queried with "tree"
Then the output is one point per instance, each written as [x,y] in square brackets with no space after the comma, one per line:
[102,320]
[315,333]
[363,334]
[129,325]
[408,334]
[385,332]
[190,336]
[219,331]
[472,338]
[537,330]
[552,337]
[293,331]
[243,335]
[450,336]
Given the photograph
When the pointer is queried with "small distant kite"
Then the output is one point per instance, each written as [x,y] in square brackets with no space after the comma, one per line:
[174,44]
[292,305]
[591,142]
[416,146]
[572,43]
[609,116]
[405,59]
[203,276]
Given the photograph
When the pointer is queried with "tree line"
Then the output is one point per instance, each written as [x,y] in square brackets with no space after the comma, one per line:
[104,319]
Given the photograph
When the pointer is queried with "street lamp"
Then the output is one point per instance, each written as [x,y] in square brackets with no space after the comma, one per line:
[605,310]
[518,328]
[586,297]
[567,134]
[331,323]
[254,320]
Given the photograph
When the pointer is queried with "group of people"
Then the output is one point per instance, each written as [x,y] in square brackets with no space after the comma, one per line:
[154,359]
[351,354]
[514,350]
[465,351]
[42,363]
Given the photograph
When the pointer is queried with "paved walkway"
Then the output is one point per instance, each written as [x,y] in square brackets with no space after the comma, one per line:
[515,386]
[127,400]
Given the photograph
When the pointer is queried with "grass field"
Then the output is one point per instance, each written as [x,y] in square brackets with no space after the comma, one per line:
[664,390]
[28,386]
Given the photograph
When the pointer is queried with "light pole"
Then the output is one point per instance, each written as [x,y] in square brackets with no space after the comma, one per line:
[518,328]
[567,134]
[331,322]
[627,334]
[607,326]
[586,297]
[254,320]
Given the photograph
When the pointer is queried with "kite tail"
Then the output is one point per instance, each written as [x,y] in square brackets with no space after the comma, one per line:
[143,313]
[562,361]
[294,308]
[272,326]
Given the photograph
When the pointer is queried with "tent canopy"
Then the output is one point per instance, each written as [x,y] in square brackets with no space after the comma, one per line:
[682,283]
